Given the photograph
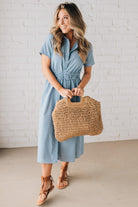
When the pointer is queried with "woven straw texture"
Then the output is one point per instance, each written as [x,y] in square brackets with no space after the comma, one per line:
[72,119]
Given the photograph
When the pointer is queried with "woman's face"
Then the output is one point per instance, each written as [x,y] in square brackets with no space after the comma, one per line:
[63,21]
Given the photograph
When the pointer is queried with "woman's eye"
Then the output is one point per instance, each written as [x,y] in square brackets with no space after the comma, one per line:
[64,18]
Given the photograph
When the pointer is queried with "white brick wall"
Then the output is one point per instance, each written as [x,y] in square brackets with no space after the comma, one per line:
[111,27]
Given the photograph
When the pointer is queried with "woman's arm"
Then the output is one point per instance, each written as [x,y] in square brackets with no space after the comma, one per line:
[86,76]
[46,61]
[79,90]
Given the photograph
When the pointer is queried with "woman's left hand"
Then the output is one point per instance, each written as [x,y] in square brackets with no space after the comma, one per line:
[78,91]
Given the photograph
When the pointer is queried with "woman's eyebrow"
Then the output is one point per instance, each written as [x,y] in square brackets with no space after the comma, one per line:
[63,16]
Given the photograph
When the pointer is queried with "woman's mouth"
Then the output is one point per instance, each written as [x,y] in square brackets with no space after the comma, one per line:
[63,27]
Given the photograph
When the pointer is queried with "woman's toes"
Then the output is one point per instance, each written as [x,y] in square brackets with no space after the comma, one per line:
[41,198]
[62,184]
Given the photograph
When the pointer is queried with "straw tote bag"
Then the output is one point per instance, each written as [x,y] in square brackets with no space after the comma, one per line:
[72,119]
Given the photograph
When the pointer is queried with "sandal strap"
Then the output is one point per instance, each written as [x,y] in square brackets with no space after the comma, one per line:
[64,177]
[43,180]
[45,192]
[47,178]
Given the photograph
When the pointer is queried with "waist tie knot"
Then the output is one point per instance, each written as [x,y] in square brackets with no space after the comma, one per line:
[67,76]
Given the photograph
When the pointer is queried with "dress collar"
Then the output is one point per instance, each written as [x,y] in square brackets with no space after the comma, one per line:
[75,46]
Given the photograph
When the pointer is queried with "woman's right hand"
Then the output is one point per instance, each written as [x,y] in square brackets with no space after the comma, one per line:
[66,93]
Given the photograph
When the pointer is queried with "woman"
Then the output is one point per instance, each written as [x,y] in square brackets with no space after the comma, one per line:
[63,54]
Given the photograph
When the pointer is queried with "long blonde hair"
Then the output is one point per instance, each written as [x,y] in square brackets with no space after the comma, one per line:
[78,26]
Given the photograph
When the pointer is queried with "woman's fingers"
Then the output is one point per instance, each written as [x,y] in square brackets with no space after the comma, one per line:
[70,94]
[78,91]
[74,91]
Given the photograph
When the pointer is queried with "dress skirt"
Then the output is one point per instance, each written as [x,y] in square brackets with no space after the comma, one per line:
[49,149]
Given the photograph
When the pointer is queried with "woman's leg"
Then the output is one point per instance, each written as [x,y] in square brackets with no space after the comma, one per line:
[46,171]
[63,181]
[63,164]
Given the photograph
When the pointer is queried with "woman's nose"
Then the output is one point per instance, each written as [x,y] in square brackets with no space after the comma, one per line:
[61,21]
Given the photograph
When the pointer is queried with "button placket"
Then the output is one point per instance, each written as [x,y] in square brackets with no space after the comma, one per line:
[66,55]
[67,51]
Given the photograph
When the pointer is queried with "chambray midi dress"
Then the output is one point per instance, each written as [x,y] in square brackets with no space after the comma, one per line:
[67,72]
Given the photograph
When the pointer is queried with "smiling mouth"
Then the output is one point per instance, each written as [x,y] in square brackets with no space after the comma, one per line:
[63,27]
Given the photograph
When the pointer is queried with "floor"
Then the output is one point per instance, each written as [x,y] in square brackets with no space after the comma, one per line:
[105,175]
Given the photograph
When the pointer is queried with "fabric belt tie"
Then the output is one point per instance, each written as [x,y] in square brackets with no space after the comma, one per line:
[67,76]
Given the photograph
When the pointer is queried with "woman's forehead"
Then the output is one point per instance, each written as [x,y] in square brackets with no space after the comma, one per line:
[62,12]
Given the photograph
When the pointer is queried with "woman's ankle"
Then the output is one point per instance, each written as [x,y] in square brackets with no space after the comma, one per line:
[63,164]
[45,175]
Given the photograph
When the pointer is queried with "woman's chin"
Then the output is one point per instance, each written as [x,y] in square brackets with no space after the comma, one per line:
[64,32]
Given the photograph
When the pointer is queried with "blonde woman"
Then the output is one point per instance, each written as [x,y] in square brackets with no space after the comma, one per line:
[63,54]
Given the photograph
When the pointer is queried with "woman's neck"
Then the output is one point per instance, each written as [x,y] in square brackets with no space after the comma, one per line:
[69,35]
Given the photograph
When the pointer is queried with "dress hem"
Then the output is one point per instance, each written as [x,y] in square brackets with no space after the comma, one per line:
[60,159]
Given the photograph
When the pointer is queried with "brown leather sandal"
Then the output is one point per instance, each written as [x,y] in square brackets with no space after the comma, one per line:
[63,178]
[44,192]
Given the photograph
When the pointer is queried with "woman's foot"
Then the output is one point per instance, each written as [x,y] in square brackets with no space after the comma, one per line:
[46,187]
[63,178]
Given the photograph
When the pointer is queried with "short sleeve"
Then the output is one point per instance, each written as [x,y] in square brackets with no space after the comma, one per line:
[47,46]
[90,59]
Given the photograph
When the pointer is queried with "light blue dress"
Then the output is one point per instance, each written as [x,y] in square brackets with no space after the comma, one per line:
[67,72]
